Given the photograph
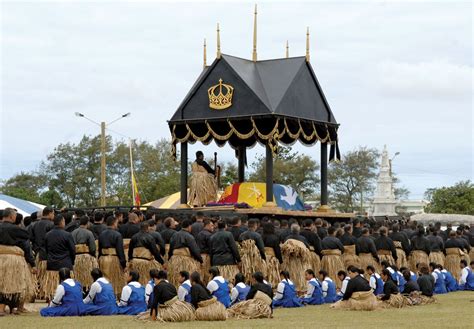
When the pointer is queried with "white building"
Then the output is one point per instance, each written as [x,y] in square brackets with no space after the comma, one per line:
[384,200]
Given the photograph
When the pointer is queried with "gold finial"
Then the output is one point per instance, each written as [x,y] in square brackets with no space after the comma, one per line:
[204,55]
[218,42]
[254,52]
[307,44]
[287,50]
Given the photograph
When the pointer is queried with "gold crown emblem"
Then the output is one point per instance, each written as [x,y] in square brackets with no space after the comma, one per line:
[220,101]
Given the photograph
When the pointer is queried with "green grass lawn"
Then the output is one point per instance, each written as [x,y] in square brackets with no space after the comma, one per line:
[454,310]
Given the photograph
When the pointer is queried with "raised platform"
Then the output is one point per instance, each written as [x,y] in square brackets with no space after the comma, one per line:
[276,213]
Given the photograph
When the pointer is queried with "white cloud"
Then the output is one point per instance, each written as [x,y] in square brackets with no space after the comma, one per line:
[435,79]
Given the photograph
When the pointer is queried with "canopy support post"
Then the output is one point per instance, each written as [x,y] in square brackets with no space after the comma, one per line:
[324,179]
[241,154]
[269,177]
[184,175]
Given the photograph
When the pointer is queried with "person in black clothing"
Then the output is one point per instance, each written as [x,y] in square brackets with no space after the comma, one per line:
[170,229]
[184,239]
[236,228]
[401,238]
[199,291]
[322,232]
[356,228]
[389,288]
[223,249]
[144,239]
[271,240]
[59,246]
[410,285]
[38,232]
[111,255]
[251,234]
[385,246]
[60,253]
[365,249]
[13,286]
[129,229]
[330,242]
[160,242]
[75,223]
[425,281]
[259,285]
[98,226]
[420,248]
[198,225]
[311,236]
[162,293]
[357,283]
[295,235]
[204,236]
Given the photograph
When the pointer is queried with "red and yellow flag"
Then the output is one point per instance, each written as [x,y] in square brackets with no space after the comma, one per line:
[136,195]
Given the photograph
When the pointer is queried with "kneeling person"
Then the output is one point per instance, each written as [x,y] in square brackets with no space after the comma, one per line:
[314,293]
[286,292]
[219,287]
[67,300]
[101,298]
[132,300]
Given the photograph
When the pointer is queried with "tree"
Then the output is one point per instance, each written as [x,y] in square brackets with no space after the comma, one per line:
[229,174]
[352,179]
[289,168]
[457,199]
[25,186]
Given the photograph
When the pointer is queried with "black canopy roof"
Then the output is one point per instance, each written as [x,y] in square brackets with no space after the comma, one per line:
[273,101]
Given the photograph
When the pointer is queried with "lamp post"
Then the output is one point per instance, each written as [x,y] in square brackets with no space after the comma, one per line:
[102,126]
[390,162]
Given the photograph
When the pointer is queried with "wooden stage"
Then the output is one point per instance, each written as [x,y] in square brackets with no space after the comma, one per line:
[275,213]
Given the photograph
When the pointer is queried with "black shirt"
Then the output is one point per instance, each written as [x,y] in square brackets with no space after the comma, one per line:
[162,292]
[356,284]
[426,283]
[198,294]
[184,239]
[60,249]
[144,240]
[159,242]
[385,243]
[389,288]
[365,245]
[13,235]
[128,230]
[403,239]
[38,235]
[419,242]
[411,286]
[313,240]
[331,242]
[273,241]
[166,234]
[236,231]
[436,242]
[204,241]
[196,228]
[259,286]
[110,238]
[257,238]
[223,249]
[348,239]
[97,229]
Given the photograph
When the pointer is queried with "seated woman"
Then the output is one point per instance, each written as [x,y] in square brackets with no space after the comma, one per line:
[101,298]
[410,285]
[67,300]
[466,282]
[240,290]
[450,281]
[328,286]
[207,307]
[314,292]
[440,283]
[358,294]
[375,280]
[219,287]
[286,293]
[150,286]
[258,303]
[165,305]
[202,183]
[184,289]
[391,295]
[132,300]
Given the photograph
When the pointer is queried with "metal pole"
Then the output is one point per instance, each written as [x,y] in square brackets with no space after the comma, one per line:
[102,163]
[241,170]
[269,174]
[324,175]
[184,175]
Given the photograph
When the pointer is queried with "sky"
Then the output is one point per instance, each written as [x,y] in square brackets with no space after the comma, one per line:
[394,73]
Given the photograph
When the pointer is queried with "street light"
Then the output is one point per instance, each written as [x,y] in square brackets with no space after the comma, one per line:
[102,126]
[390,162]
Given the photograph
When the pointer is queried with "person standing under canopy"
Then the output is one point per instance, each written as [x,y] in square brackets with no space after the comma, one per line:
[202,183]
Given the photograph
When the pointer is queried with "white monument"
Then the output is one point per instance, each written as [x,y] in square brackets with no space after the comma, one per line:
[384,201]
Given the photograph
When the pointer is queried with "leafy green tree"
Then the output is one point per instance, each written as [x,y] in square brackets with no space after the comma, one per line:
[289,168]
[456,199]
[229,174]
[352,179]
[25,186]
